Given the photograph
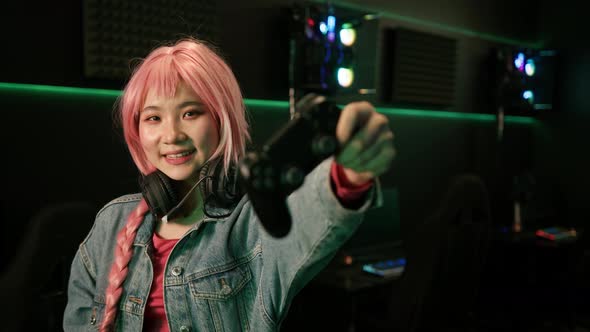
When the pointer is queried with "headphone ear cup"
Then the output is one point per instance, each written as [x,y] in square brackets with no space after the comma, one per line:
[230,186]
[204,186]
[158,192]
[223,190]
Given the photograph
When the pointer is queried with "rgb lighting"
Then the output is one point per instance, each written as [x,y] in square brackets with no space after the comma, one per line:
[323,28]
[331,36]
[519,61]
[347,35]
[331,23]
[529,68]
[345,77]
[528,96]
[322,55]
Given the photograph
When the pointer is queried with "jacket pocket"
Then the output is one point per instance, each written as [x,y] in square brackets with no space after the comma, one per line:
[222,285]
[225,297]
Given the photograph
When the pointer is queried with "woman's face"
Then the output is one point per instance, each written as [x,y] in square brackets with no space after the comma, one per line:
[178,134]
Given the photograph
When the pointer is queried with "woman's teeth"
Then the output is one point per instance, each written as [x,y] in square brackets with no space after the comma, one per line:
[179,155]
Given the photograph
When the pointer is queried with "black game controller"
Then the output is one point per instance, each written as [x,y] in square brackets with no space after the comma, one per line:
[270,175]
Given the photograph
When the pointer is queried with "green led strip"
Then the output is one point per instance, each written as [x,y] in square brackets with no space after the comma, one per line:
[455,115]
[260,103]
[50,89]
[266,103]
[434,25]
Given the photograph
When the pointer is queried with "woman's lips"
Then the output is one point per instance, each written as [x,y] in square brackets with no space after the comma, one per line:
[180,157]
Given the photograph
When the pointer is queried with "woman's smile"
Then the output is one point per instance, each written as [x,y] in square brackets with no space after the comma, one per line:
[178,158]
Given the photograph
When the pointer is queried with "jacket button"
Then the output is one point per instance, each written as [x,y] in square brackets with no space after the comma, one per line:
[225,290]
[176,271]
[185,328]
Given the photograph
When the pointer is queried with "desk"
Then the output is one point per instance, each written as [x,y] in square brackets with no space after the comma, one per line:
[528,238]
[351,278]
[340,295]
[529,279]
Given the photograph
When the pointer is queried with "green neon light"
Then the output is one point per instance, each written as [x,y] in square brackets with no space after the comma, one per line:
[455,115]
[50,89]
[434,25]
[266,103]
[278,105]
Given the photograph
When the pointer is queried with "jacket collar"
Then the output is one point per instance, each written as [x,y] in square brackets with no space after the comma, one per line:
[146,229]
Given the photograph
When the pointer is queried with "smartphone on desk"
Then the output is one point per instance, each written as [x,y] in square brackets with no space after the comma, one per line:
[386,268]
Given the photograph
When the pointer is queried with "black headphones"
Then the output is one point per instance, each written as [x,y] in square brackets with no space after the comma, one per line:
[217,190]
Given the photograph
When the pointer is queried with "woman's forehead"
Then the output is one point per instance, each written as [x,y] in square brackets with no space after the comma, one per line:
[181,92]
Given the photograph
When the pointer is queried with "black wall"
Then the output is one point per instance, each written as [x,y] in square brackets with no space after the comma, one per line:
[563,158]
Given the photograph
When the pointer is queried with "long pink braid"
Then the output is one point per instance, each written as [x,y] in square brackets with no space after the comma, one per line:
[119,269]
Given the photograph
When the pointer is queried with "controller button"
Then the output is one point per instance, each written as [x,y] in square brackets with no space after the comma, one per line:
[257,183]
[269,184]
[324,145]
[293,176]
[256,170]
[269,171]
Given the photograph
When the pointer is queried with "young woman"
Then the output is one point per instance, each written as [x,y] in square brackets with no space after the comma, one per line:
[182,109]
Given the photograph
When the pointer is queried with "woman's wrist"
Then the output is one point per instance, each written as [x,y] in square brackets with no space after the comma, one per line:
[357,179]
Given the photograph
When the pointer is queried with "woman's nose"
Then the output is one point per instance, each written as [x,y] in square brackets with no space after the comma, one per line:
[173,133]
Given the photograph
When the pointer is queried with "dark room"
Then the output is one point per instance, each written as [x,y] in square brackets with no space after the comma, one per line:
[274,165]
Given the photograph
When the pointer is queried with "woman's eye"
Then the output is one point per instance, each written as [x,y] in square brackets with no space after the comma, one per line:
[152,118]
[191,114]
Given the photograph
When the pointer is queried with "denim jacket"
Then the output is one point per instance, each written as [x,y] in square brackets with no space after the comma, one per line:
[224,274]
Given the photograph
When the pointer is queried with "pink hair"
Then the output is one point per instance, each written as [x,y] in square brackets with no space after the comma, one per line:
[212,80]
[119,269]
[196,64]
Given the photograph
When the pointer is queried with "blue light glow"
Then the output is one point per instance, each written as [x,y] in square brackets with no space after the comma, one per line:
[331,23]
[323,27]
[528,96]
[519,61]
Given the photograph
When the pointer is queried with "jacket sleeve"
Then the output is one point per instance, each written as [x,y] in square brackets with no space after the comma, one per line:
[320,225]
[81,286]
[86,286]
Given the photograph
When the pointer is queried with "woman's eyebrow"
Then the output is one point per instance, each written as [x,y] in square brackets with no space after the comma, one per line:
[150,108]
[190,103]
[179,106]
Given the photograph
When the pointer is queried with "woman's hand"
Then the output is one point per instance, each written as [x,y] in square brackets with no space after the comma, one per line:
[366,141]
